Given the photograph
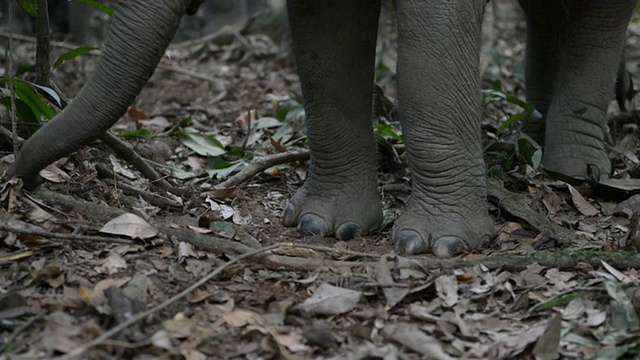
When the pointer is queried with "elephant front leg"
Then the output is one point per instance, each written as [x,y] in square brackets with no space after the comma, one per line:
[582,41]
[439,104]
[334,47]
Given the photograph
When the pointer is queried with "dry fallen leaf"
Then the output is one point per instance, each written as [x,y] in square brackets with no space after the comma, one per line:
[412,337]
[161,339]
[293,341]
[130,225]
[192,354]
[581,203]
[199,296]
[225,211]
[241,318]
[179,327]
[185,250]
[549,343]
[393,293]
[552,202]
[331,300]
[447,289]
[112,265]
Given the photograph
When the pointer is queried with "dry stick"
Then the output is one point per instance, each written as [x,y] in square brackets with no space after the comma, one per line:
[125,151]
[31,39]
[97,52]
[12,87]
[260,164]
[150,197]
[4,226]
[218,245]
[43,47]
[17,140]
[141,316]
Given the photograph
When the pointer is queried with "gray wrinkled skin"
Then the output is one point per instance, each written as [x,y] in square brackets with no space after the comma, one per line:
[573,54]
[574,49]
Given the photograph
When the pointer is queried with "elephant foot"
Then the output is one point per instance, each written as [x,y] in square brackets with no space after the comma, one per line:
[578,162]
[342,210]
[445,232]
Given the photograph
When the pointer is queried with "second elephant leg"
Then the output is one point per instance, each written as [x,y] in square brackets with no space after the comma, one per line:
[585,39]
[439,105]
[334,46]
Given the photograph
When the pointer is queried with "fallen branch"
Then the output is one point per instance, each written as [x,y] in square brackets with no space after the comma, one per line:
[567,259]
[261,164]
[563,259]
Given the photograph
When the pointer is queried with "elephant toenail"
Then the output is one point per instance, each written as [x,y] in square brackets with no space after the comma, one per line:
[448,246]
[348,231]
[410,242]
[289,217]
[311,224]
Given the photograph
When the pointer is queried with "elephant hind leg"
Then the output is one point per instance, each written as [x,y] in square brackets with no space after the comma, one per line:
[586,38]
[334,46]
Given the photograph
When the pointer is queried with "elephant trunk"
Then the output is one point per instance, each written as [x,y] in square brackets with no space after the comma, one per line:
[139,35]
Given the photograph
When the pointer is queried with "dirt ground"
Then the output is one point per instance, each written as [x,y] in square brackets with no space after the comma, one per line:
[99,263]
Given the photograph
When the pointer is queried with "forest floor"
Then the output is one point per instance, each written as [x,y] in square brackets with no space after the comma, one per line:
[99,263]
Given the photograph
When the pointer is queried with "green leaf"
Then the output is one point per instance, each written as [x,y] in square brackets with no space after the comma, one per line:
[290,109]
[511,121]
[529,149]
[557,302]
[623,317]
[267,122]
[221,169]
[96,5]
[26,93]
[295,116]
[181,174]
[29,6]
[202,145]
[23,111]
[386,130]
[142,133]
[49,91]
[622,184]
[387,146]
[70,55]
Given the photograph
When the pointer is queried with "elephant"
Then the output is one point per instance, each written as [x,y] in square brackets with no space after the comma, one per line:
[572,59]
